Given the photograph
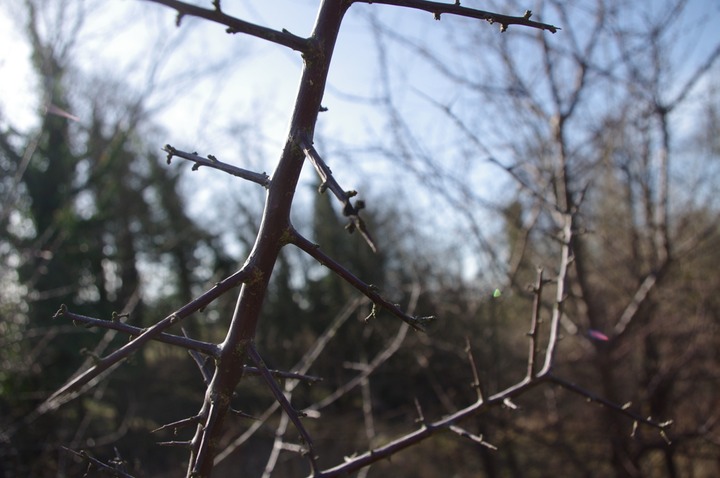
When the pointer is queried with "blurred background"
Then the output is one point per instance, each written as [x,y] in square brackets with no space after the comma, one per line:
[464,143]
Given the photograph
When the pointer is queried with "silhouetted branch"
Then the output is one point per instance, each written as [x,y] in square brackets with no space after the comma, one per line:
[235,25]
[437,9]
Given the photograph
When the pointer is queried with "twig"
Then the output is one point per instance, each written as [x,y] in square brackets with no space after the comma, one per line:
[662,426]
[185,342]
[476,384]
[471,436]
[112,470]
[278,445]
[328,182]
[212,162]
[292,414]
[151,333]
[302,366]
[235,25]
[438,9]
[370,291]
[387,352]
[535,326]
[641,296]
[194,420]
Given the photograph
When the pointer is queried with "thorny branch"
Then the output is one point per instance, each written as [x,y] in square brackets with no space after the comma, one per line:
[276,232]
[292,414]
[235,25]
[94,463]
[212,162]
[301,367]
[506,396]
[370,291]
[148,334]
[437,9]
[132,331]
[661,426]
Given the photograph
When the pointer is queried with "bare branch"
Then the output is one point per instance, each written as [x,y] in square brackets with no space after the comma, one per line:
[235,25]
[185,342]
[662,426]
[185,422]
[694,79]
[428,429]
[212,162]
[302,366]
[292,414]
[437,9]
[151,333]
[329,182]
[558,309]
[104,468]
[642,293]
[476,383]
[370,291]
[387,352]
[475,438]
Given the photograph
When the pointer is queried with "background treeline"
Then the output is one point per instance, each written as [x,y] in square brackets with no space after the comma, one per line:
[610,110]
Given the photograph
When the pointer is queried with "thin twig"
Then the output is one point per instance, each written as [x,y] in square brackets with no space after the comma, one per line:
[387,352]
[328,181]
[535,326]
[206,348]
[559,307]
[662,426]
[292,414]
[212,162]
[180,423]
[476,384]
[370,291]
[438,9]
[471,436]
[235,25]
[103,467]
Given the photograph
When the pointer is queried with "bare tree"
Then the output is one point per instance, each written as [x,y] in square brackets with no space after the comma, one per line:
[225,364]
[586,125]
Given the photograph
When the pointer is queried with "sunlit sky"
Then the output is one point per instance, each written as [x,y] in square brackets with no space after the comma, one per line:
[118,33]
[257,81]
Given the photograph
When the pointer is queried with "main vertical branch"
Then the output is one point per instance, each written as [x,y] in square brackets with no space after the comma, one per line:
[273,235]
